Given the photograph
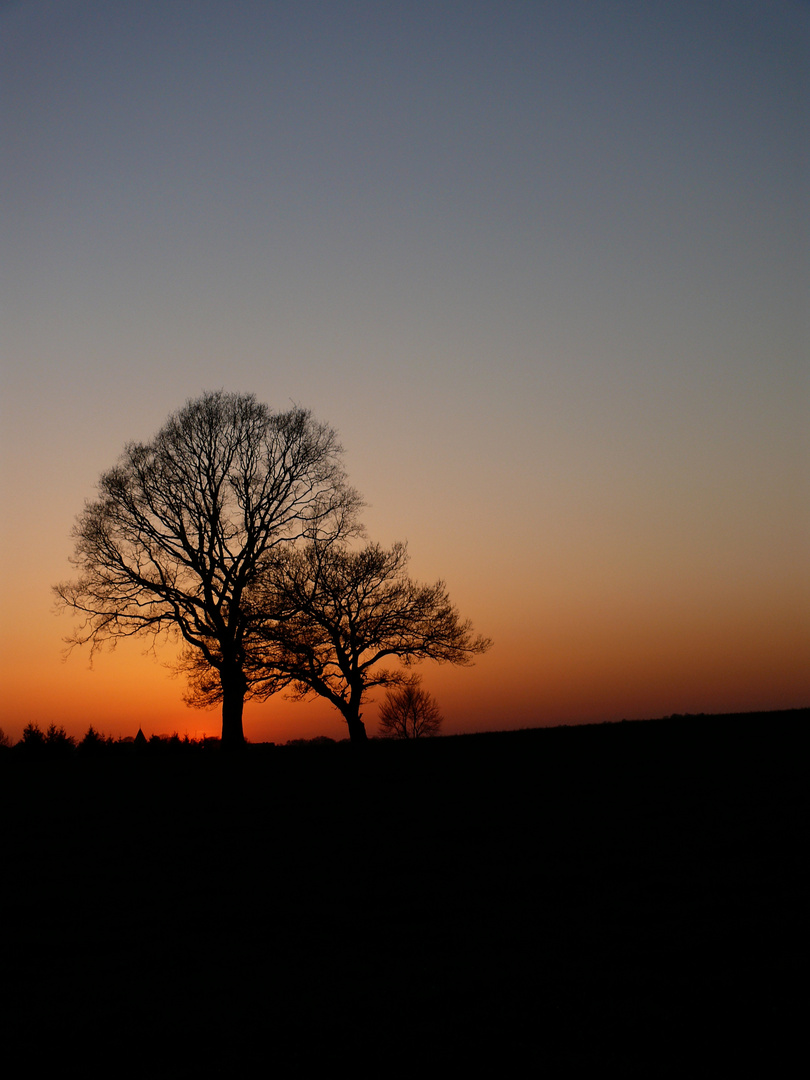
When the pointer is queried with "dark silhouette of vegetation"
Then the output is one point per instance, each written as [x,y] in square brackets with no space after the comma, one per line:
[328,617]
[410,712]
[54,742]
[57,740]
[184,523]
[33,738]
[94,742]
[318,740]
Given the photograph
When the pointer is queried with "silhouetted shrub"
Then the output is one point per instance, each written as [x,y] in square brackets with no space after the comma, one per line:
[319,740]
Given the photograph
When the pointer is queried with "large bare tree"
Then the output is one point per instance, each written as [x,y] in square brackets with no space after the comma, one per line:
[337,615]
[182,524]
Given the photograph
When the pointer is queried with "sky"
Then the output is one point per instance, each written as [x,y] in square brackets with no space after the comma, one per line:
[545,267]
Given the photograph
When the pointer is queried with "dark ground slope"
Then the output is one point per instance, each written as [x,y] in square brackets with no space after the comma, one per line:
[626,896]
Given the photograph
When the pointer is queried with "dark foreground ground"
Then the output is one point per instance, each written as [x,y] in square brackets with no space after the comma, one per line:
[621,897]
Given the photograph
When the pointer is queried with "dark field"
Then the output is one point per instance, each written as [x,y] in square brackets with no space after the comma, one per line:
[626,897]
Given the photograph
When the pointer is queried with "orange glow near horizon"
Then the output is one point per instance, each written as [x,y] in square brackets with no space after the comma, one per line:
[570,671]
[607,632]
[554,313]
[598,638]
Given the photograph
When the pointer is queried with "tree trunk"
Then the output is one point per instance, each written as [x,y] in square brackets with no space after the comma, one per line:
[352,714]
[357,729]
[233,701]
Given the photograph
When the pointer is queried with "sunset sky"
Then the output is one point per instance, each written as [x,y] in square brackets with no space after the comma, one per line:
[544,265]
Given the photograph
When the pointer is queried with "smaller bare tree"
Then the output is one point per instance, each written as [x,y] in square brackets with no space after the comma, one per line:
[409,712]
[333,615]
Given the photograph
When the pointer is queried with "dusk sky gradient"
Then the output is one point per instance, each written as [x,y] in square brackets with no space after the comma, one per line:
[545,266]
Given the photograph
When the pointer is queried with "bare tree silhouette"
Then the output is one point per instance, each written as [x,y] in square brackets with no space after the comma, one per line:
[410,712]
[336,615]
[183,523]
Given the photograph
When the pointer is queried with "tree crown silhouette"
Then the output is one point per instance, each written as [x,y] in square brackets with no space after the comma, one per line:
[183,524]
[338,617]
[410,712]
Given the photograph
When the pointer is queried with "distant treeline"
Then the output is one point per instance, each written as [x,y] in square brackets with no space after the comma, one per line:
[54,742]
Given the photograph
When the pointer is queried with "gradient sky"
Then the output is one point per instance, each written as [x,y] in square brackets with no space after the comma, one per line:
[545,266]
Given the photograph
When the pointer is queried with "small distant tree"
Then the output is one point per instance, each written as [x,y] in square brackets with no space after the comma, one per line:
[54,742]
[58,737]
[94,741]
[409,712]
[57,741]
[5,741]
[33,737]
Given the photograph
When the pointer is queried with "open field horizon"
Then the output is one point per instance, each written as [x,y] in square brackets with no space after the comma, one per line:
[328,726]
[628,897]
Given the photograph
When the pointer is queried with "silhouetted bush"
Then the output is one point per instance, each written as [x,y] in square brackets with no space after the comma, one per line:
[319,740]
